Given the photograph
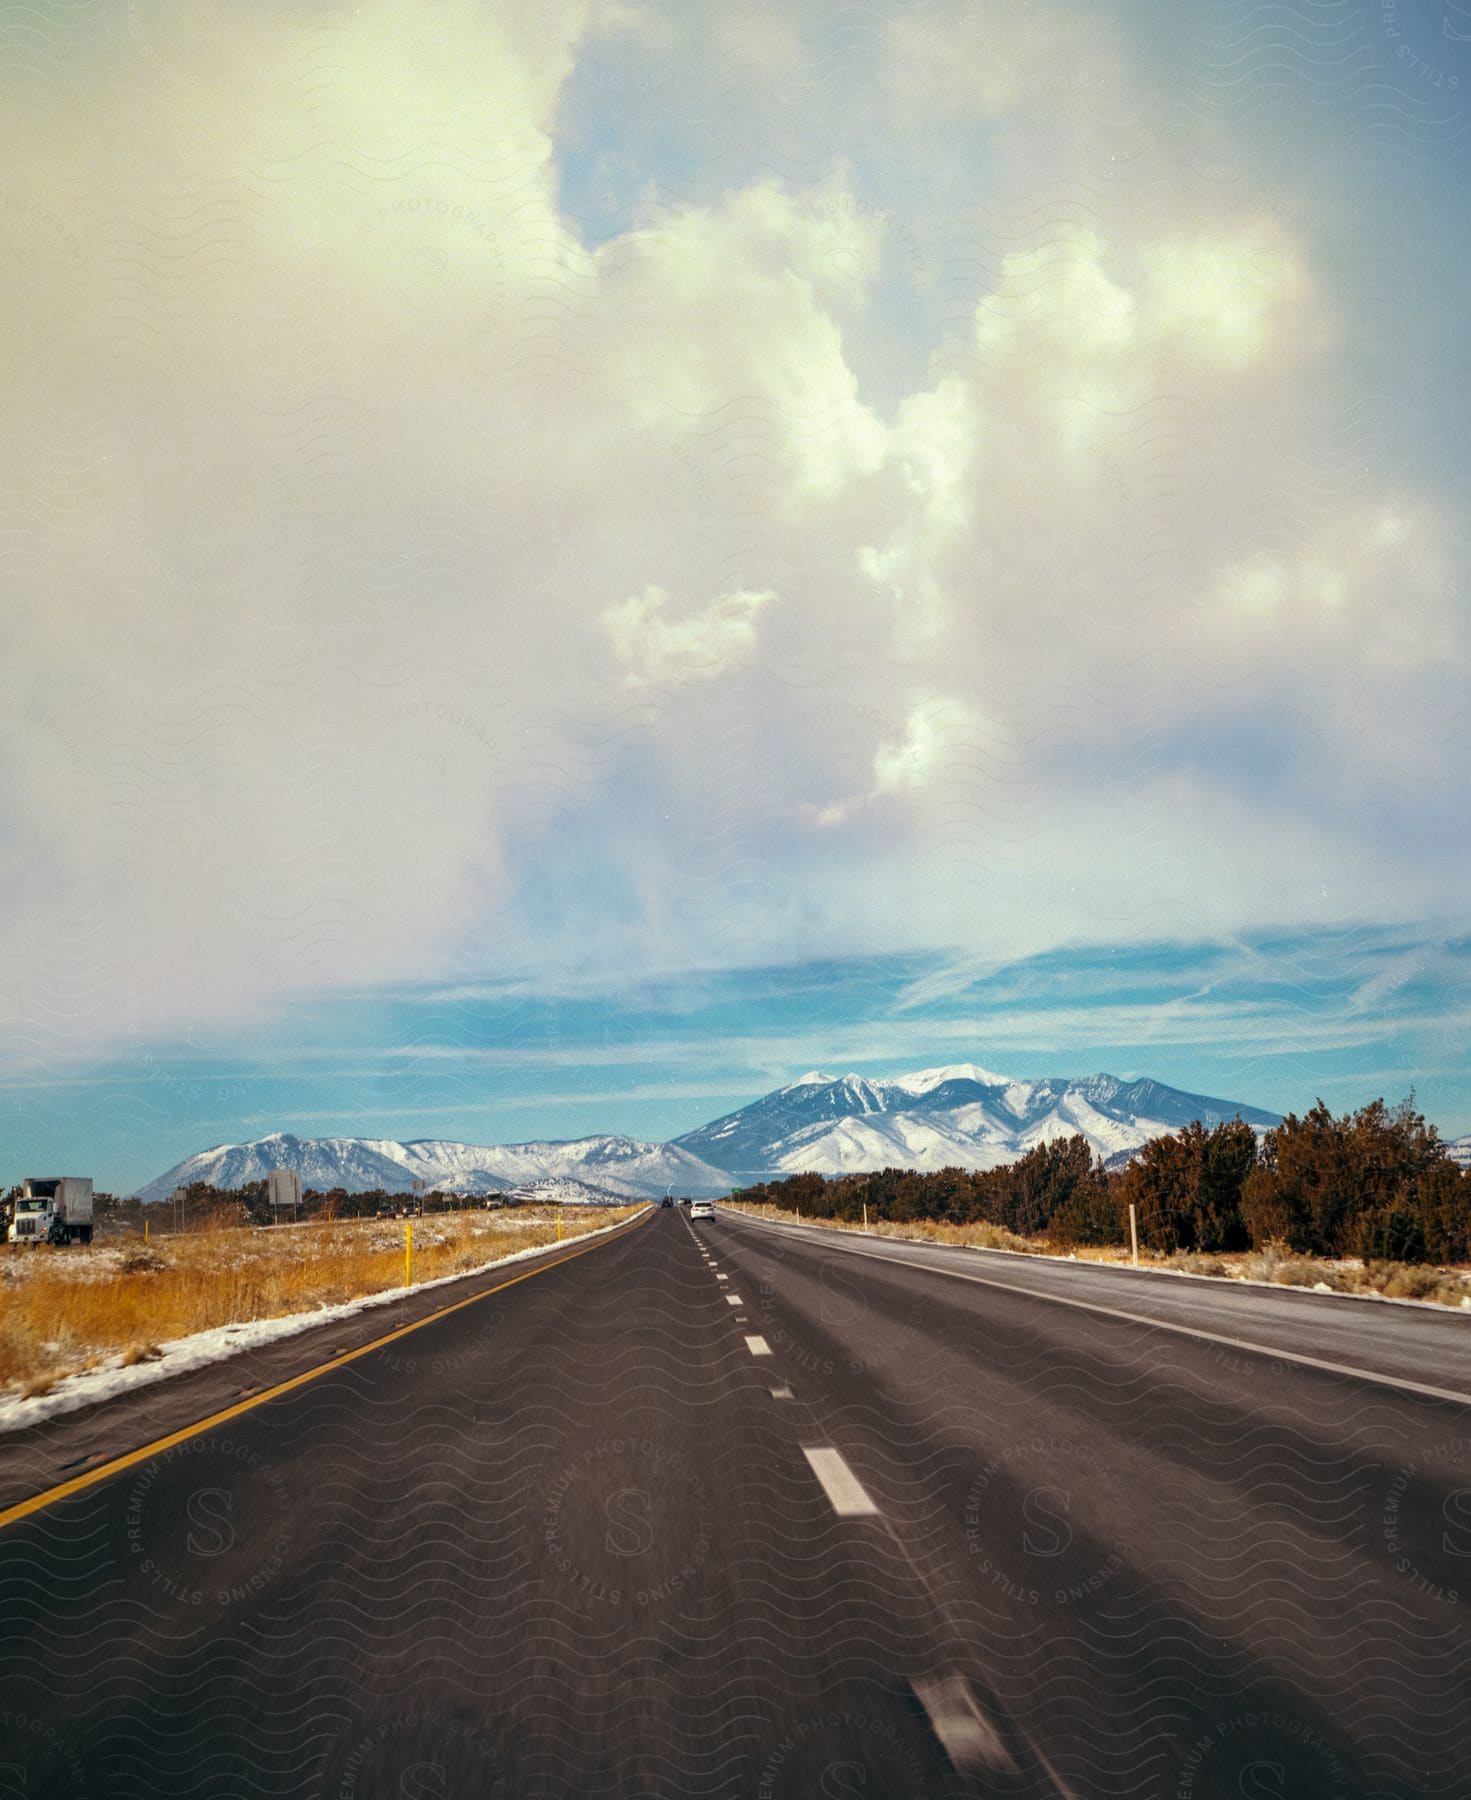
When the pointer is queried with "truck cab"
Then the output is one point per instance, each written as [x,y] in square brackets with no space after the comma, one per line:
[31,1222]
[53,1209]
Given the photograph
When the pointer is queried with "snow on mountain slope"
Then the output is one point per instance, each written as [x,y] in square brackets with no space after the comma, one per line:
[899,1141]
[958,1115]
[961,1114]
[618,1165]
[1073,1115]
[358,1164]
[558,1190]
[925,1081]
[1459,1150]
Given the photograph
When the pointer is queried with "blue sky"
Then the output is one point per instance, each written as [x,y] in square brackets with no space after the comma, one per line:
[577,562]
[1276,1023]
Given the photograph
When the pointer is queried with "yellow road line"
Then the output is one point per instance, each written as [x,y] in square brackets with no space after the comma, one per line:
[89,1477]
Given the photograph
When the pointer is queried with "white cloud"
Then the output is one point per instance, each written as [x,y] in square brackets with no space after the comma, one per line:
[335,440]
[1234,295]
[729,320]
[655,650]
[990,57]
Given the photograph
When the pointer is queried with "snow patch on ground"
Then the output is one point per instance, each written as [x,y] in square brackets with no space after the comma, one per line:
[72,1392]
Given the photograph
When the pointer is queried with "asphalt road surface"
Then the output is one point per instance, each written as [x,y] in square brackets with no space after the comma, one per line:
[724,1510]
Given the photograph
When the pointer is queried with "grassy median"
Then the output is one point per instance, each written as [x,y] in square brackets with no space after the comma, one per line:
[64,1310]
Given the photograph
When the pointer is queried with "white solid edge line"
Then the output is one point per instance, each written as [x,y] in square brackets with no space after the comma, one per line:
[843,1488]
[1115,1312]
[758,1346]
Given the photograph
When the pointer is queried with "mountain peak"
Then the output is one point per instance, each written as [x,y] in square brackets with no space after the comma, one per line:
[924,1081]
[813,1078]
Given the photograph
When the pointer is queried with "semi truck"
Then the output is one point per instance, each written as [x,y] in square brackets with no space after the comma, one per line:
[53,1209]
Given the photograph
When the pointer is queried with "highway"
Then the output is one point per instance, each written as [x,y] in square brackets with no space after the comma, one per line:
[730,1510]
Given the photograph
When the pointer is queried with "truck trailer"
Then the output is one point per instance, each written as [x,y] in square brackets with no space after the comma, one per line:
[53,1209]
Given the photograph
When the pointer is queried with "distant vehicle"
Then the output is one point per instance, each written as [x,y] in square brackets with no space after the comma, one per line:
[702,1209]
[686,1201]
[666,1201]
[385,1211]
[53,1209]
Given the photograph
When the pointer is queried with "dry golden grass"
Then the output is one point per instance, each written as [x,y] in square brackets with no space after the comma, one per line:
[1284,1268]
[63,1310]
[1394,1280]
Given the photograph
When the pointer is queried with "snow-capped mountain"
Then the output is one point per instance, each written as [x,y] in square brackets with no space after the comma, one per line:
[617,1165]
[1459,1150]
[559,1190]
[962,1115]
[357,1164]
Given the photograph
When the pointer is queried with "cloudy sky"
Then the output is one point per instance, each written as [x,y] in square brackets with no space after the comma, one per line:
[566,561]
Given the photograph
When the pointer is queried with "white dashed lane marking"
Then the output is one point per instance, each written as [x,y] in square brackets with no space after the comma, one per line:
[843,1488]
[734,1300]
[971,1741]
[758,1346]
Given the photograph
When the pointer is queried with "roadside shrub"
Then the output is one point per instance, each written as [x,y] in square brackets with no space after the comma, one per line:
[1187,1188]
[1421,1283]
[1090,1216]
[1323,1181]
[1393,1234]
[1195,1264]
[1278,1263]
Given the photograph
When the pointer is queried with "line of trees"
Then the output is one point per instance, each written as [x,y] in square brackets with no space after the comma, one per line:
[1376,1183]
[202,1205]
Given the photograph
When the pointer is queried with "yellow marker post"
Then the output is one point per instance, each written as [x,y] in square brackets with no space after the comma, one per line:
[145,1231]
[408,1252]
[559,1228]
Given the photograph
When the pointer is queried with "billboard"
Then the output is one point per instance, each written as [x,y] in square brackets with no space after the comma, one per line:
[285,1188]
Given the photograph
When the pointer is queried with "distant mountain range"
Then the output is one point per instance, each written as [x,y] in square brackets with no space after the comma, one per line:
[962,1115]
[561,1190]
[618,1166]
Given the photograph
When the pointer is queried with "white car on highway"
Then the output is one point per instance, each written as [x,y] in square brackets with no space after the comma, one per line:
[702,1209]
